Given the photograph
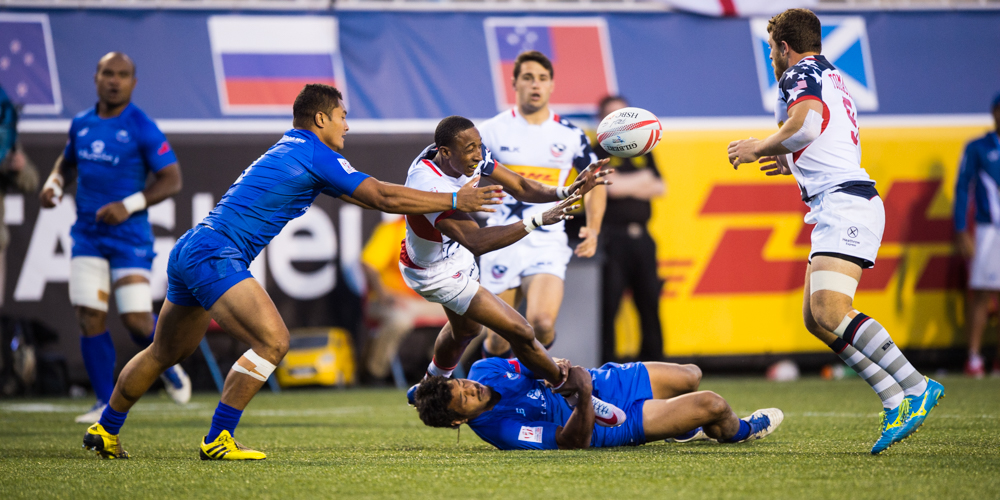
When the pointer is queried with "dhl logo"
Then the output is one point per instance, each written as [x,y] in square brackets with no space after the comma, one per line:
[737,264]
[545,175]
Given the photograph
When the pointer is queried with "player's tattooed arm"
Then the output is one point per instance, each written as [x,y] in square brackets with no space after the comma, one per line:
[62,176]
[579,428]
[393,198]
[793,132]
[479,240]
[166,183]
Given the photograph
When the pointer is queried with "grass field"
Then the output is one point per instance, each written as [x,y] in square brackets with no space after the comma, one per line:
[369,444]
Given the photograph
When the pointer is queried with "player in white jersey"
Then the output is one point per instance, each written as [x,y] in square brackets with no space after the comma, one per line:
[437,258]
[533,141]
[818,142]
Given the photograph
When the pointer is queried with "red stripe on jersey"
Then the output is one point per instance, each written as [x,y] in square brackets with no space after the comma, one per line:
[804,98]
[423,228]
[404,257]
[444,215]
[432,167]
[164,149]
[512,113]
[826,121]
[555,117]
[728,8]
[515,364]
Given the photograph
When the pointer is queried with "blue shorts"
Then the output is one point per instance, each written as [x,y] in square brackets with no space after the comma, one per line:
[125,246]
[627,387]
[203,265]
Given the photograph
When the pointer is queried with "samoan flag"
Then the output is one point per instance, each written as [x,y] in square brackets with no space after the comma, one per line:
[262,62]
[580,51]
[27,63]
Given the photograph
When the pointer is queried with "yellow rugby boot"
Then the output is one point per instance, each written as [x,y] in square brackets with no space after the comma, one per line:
[106,445]
[226,448]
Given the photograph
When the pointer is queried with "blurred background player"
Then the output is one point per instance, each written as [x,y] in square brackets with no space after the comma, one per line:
[209,277]
[112,148]
[437,258]
[981,166]
[393,306]
[629,250]
[17,174]
[506,406]
[818,143]
[533,141]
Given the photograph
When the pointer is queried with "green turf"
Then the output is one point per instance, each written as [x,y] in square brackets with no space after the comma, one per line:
[369,444]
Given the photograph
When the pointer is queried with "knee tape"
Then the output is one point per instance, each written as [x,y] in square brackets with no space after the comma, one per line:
[250,363]
[134,297]
[842,328]
[89,282]
[833,281]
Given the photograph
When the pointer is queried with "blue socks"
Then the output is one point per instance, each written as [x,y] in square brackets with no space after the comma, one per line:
[112,420]
[741,434]
[99,359]
[226,418]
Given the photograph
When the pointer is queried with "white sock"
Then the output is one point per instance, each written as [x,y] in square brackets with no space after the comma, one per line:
[433,370]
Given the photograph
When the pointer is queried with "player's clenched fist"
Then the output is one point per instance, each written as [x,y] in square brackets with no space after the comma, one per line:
[113,213]
[473,199]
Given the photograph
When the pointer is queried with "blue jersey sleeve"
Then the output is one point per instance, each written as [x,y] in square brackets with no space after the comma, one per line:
[69,152]
[489,163]
[489,368]
[153,146]
[801,83]
[966,175]
[586,155]
[335,171]
[518,434]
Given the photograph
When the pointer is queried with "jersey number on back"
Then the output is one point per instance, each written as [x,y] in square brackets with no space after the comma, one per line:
[854,121]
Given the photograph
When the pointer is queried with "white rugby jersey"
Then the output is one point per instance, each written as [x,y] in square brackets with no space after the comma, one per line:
[424,244]
[835,156]
[547,153]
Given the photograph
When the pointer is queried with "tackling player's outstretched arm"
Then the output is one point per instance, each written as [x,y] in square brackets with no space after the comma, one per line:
[480,240]
[795,134]
[531,191]
[579,428]
[393,198]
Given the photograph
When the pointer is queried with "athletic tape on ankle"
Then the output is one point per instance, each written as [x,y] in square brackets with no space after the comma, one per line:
[833,281]
[843,325]
[254,365]
[134,297]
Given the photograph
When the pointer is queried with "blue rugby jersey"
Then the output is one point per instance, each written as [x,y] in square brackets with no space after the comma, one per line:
[980,165]
[278,187]
[113,157]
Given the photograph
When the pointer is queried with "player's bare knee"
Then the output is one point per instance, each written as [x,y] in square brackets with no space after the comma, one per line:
[713,404]
[91,321]
[544,326]
[828,315]
[692,377]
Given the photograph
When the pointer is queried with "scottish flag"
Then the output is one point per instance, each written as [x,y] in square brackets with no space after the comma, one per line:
[845,45]
[578,47]
[262,62]
[27,63]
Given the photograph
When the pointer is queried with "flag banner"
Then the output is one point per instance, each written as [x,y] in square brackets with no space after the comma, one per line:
[28,63]
[262,62]
[579,49]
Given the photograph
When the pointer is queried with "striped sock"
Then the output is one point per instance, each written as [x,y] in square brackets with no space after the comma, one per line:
[869,337]
[885,386]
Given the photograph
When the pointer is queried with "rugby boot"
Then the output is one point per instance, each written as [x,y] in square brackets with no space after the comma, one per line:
[762,423]
[106,445]
[607,414]
[411,394]
[891,426]
[92,415]
[696,434]
[921,406]
[226,448]
[177,383]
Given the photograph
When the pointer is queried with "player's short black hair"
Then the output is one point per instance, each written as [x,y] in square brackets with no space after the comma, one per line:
[117,54]
[533,55]
[433,397]
[800,28]
[449,128]
[314,98]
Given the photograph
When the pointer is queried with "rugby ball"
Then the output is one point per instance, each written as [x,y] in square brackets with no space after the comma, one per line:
[629,132]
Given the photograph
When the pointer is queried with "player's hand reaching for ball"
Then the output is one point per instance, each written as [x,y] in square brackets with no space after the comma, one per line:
[775,165]
[744,151]
[113,213]
[476,199]
[561,211]
[591,177]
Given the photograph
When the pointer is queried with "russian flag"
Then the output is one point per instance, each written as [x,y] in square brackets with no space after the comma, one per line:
[262,62]
[579,49]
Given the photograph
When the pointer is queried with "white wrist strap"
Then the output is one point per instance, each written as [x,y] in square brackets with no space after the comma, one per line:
[562,192]
[533,223]
[135,202]
[55,182]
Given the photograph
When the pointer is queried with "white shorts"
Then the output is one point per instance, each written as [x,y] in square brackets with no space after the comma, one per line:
[846,224]
[538,253]
[985,271]
[453,282]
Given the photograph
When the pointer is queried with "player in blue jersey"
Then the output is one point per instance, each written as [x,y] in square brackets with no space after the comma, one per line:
[208,269]
[111,150]
[505,405]
[981,167]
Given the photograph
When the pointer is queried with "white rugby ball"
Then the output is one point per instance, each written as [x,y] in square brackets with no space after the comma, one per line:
[629,132]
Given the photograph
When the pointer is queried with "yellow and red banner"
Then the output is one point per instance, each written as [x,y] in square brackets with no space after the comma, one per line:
[732,246]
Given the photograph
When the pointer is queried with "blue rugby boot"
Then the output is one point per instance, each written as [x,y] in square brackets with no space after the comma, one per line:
[411,394]
[921,406]
[891,425]
[762,423]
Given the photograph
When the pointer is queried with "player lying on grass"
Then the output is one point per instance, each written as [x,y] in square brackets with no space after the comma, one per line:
[507,406]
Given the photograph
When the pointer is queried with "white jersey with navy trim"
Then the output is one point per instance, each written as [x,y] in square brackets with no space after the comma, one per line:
[425,245]
[546,153]
[834,157]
